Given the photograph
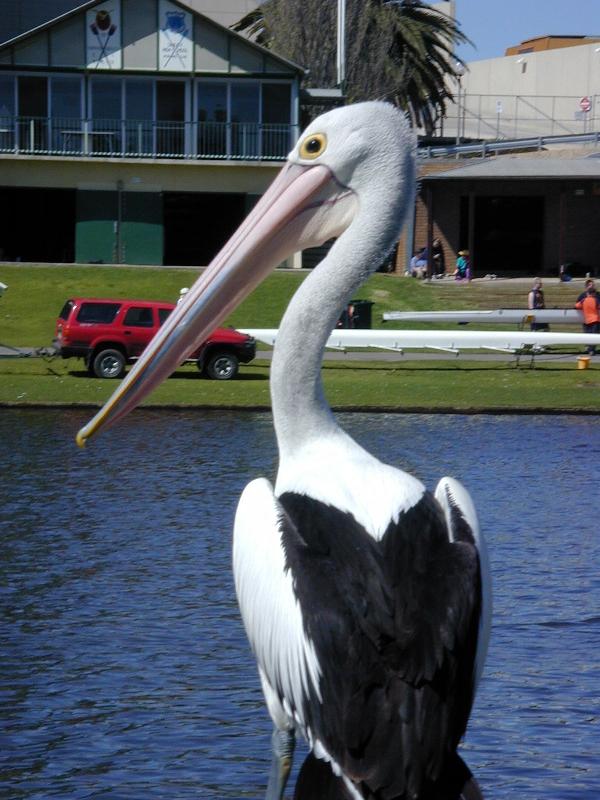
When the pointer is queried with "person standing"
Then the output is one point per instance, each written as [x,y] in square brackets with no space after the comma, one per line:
[535,300]
[588,303]
[437,255]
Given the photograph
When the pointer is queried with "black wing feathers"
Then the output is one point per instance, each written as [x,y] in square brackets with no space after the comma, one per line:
[394,624]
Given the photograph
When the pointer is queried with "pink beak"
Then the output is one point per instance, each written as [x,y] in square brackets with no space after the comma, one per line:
[282,222]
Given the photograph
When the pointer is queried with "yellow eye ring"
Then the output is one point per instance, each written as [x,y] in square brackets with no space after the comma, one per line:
[313,146]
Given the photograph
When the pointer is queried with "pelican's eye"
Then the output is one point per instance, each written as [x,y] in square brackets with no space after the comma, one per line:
[313,146]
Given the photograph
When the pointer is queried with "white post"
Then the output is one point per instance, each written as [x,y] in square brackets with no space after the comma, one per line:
[341,44]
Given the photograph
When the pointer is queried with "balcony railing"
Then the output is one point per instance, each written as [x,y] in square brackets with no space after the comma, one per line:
[68,136]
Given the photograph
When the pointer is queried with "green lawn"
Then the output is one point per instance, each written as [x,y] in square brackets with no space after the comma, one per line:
[403,385]
[29,308]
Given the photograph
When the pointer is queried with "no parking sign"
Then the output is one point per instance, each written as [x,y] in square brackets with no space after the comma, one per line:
[585,104]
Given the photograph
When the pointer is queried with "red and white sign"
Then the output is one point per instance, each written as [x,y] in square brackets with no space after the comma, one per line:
[585,104]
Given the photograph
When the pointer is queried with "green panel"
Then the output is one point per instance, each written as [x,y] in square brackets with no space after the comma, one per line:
[142,231]
[95,232]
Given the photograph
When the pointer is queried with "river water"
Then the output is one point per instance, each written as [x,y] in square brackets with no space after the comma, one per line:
[124,669]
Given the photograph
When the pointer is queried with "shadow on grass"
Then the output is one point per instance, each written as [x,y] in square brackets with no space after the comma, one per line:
[178,376]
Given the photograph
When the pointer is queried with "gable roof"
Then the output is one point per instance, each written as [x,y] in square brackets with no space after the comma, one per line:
[83,8]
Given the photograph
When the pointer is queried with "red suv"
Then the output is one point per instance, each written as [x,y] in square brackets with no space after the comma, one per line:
[108,334]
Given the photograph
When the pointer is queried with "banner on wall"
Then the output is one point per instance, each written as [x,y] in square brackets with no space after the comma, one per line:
[175,39]
[103,36]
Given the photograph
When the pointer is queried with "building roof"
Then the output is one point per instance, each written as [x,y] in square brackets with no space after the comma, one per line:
[523,167]
[85,6]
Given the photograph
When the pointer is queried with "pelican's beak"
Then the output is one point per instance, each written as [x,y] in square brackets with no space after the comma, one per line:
[294,213]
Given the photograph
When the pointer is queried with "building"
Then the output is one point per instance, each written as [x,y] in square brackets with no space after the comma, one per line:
[539,43]
[19,17]
[536,207]
[136,131]
[539,91]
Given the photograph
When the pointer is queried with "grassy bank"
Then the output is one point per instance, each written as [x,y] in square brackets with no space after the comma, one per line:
[401,385]
[29,308]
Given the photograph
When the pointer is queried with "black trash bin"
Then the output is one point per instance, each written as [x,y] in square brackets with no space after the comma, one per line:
[360,313]
[357,314]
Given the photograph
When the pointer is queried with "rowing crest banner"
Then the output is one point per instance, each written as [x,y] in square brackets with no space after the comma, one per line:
[103,36]
[175,38]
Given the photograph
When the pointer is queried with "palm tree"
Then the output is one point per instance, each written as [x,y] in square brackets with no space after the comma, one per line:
[398,50]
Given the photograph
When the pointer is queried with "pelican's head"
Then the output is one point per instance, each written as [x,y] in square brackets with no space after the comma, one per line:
[343,162]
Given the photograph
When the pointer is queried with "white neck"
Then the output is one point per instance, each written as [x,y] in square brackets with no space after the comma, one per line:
[300,411]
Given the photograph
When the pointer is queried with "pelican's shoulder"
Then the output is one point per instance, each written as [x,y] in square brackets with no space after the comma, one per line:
[339,472]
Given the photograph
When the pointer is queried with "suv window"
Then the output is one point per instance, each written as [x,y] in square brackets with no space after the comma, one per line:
[163,313]
[66,310]
[140,317]
[98,312]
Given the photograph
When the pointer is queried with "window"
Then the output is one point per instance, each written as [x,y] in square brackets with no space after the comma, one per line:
[212,118]
[7,96]
[244,116]
[65,99]
[163,313]
[65,96]
[276,105]
[244,102]
[98,312]
[212,102]
[139,317]
[106,99]
[106,114]
[139,112]
[66,310]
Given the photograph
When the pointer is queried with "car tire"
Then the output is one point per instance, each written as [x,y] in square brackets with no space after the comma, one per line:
[222,366]
[108,364]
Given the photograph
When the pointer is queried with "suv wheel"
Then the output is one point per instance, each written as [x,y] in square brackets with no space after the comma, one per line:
[222,366]
[108,364]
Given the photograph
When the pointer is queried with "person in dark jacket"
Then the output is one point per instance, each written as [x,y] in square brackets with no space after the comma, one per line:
[437,257]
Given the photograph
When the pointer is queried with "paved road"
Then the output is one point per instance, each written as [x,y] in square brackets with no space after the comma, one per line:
[369,355]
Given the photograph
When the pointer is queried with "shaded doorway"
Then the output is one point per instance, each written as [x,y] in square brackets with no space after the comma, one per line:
[37,224]
[197,225]
[508,235]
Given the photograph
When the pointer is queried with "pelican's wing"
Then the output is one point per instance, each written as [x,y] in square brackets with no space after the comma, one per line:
[286,657]
[463,525]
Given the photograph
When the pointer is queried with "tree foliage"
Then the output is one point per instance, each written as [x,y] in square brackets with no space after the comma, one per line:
[402,51]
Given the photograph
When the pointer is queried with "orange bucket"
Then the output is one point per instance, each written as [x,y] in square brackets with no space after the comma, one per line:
[583,362]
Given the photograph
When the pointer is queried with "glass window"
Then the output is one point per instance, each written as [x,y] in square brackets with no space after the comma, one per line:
[33,97]
[212,118]
[66,97]
[276,103]
[106,99]
[244,102]
[138,99]
[98,312]
[7,96]
[139,317]
[163,313]
[212,102]
[139,113]
[66,310]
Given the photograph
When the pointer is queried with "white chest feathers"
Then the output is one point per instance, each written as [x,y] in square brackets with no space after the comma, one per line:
[340,473]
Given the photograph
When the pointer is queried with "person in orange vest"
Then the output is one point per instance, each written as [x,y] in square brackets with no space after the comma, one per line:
[589,303]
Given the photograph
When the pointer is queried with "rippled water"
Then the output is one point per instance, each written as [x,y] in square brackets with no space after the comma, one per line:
[124,670]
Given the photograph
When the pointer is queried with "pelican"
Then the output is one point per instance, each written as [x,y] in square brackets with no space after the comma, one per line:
[365,597]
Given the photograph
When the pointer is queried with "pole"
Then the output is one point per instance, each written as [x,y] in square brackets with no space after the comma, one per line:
[341,44]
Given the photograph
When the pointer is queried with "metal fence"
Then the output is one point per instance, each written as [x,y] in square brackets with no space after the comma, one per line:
[68,136]
[496,117]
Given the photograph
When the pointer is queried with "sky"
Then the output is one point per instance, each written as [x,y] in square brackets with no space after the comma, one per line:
[494,25]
